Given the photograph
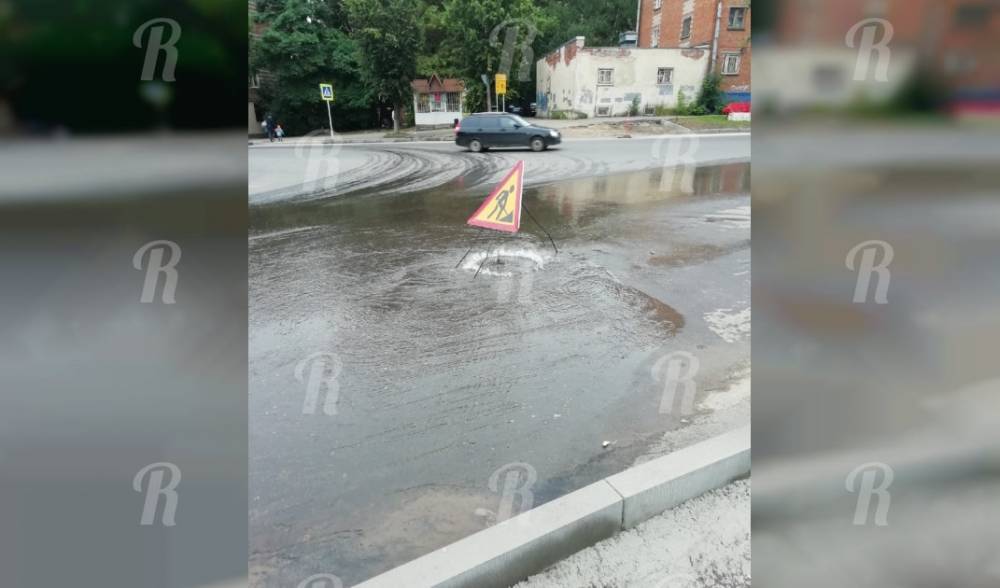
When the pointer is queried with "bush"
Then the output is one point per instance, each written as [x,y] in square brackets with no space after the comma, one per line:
[567,114]
[921,92]
[682,107]
[661,110]
[710,99]
[685,108]
[633,108]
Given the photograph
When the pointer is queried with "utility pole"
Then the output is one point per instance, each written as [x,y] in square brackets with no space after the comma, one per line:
[715,38]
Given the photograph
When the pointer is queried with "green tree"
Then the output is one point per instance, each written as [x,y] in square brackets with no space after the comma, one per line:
[87,45]
[372,49]
[473,42]
[304,45]
[600,21]
[434,58]
[389,36]
[464,38]
[710,98]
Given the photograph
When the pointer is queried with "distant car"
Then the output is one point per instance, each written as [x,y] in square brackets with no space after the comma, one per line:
[484,130]
[515,109]
[531,110]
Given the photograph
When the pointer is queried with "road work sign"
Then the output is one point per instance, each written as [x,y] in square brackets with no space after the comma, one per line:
[326,91]
[501,82]
[501,211]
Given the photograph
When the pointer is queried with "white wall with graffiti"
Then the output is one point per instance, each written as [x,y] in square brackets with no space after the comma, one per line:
[603,81]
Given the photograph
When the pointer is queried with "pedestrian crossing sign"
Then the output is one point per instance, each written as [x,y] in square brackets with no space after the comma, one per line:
[501,211]
[326,91]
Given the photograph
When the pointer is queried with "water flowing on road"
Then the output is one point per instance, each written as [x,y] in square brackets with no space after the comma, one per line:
[447,351]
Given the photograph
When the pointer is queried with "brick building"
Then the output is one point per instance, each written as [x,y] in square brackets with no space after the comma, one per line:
[720,26]
[955,39]
[575,79]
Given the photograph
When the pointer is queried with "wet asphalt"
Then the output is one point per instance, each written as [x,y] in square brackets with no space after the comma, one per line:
[279,173]
[441,352]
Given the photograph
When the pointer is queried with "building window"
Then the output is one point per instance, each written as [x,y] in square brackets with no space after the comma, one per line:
[730,64]
[454,102]
[423,102]
[972,15]
[664,75]
[737,15]
[956,63]
[828,78]
[655,40]
[657,4]
[437,102]
[686,27]
[605,77]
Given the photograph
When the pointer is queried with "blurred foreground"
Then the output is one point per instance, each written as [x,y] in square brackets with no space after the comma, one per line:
[106,372]
[877,410]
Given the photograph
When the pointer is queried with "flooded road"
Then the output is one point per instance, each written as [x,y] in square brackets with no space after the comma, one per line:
[390,376]
[316,171]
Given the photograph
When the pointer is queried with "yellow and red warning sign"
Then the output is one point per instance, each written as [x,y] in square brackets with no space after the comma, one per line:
[501,211]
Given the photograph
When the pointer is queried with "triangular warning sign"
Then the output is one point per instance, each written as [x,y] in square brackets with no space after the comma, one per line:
[501,211]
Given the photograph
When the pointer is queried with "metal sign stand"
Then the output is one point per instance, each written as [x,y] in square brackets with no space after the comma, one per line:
[326,93]
[329,116]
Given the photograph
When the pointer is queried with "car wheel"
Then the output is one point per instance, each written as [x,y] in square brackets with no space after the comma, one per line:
[475,146]
[537,144]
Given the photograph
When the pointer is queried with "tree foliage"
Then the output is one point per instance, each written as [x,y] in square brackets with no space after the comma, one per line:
[388,33]
[304,45]
[710,98]
[374,48]
[72,65]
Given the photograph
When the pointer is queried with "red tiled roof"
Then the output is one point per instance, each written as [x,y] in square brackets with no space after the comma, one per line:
[436,84]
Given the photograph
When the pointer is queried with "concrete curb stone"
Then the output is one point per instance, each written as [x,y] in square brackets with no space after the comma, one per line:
[514,549]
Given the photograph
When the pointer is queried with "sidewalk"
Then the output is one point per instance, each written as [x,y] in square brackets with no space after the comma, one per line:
[702,543]
[607,127]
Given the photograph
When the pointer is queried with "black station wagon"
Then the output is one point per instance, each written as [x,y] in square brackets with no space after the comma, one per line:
[484,130]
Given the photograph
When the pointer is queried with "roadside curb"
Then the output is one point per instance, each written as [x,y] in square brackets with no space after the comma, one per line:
[512,550]
[718,131]
[293,144]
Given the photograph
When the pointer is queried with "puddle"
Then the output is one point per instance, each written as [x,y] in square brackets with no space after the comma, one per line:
[443,376]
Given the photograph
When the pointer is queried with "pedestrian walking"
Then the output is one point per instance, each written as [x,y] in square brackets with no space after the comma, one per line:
[280,132]
[270,127]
